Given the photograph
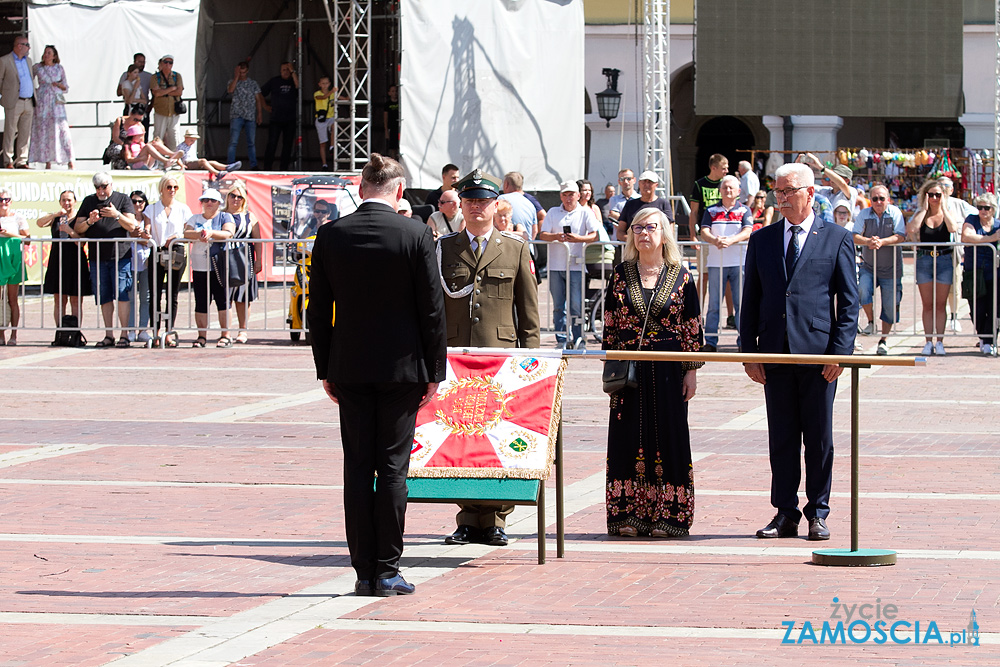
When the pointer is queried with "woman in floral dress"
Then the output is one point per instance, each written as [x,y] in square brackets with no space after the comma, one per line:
[650,482]
[50,140]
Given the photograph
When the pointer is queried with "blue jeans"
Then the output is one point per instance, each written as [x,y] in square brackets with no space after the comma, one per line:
[891,290]
[716,288]
[111,279]
[557,288]
[237,125]
[140,311]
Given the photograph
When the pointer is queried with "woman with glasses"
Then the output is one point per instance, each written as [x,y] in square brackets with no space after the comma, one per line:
[247,228]
[13,228]
[67,275]
[981,273]
[650,482]
[209,230]
[933,223]
[141,250]
[166,220]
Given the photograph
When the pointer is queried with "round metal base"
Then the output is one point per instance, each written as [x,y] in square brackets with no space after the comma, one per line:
[859,558]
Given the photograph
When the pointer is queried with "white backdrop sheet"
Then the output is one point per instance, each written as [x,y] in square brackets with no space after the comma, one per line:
[95,46]
[493,84]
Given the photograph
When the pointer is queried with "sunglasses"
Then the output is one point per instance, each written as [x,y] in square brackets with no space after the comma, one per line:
[934,195]
[138,201]
[981,208]
[168,62]
[320,211]
[234,195]
[171,187]
[4,199]
[878,198]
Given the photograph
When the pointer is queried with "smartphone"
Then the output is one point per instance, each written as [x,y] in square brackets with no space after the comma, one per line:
[567,229]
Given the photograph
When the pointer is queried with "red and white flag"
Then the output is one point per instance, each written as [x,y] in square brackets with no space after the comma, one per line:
[494,415]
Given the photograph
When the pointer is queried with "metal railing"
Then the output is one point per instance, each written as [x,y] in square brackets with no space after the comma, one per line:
[279,305]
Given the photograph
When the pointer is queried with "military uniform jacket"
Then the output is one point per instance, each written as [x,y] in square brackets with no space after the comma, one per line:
[501,306]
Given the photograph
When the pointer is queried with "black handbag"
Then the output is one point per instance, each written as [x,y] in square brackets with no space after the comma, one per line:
[620,374]
[180,108]
[239,264]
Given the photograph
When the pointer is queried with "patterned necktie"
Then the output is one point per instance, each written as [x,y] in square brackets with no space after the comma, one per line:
[480,244]
[792,252]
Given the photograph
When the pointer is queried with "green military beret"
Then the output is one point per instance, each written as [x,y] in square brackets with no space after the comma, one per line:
[479,185]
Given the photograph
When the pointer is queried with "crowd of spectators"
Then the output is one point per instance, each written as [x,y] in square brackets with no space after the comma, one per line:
[724,216]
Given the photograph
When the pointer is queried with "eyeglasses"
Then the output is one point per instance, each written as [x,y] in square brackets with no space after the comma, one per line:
[171,187]
[627,178]
[4,200]
[934,195]
[788,192]
[650,228]
[981,208]
[102,186]
[879,198]
[761,197]
[233,195]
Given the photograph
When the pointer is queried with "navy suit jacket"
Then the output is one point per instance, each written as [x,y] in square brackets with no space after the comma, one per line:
[816,309]
[380,270]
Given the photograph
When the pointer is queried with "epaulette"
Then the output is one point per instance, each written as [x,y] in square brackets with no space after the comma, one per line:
[448,236]
[514,236]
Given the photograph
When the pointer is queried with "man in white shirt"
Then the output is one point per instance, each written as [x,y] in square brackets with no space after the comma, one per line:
[575,225]
[724,226]
[448,218]
[749,183]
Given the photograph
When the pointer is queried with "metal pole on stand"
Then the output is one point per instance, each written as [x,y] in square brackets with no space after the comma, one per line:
[855,557]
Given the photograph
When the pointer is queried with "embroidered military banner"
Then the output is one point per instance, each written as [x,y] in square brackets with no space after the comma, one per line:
[493,416]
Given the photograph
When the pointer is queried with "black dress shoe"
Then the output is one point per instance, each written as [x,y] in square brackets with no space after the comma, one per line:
[363,587]
[393,586]
[462,535]
[495,537]
[780,526]
[818,529]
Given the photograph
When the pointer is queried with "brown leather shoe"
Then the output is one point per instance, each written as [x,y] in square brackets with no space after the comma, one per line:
[818,529]
[780,526]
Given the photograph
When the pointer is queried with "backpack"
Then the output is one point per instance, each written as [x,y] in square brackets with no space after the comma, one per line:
[69,334]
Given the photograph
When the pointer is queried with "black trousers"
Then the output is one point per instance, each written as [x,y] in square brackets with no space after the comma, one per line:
[800,413]
[158,287]
[377,422]
[287,133]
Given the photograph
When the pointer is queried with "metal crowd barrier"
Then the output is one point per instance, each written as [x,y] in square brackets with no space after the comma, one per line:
[591,296]
[280,304]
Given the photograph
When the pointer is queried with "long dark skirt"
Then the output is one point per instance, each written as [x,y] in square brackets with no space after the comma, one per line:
[650,481]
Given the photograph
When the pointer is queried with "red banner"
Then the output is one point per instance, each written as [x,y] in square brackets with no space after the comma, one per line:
[494,416]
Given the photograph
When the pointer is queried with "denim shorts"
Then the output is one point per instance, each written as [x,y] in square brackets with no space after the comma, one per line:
[890,297]
[111,280]
[926,269]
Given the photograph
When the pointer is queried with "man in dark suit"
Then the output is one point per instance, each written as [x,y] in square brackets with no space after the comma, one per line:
[492,301]
[800,296]
[380,356]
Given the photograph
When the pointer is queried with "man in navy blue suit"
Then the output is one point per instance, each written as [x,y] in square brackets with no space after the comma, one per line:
[800,296]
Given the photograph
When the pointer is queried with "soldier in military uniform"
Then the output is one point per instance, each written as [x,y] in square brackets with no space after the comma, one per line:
[491,300]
